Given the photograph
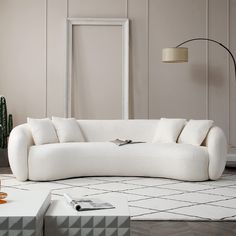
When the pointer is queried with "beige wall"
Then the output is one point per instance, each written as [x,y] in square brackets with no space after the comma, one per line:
[97,72]
[33,57]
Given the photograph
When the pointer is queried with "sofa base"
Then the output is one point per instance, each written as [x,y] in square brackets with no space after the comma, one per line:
[60,161]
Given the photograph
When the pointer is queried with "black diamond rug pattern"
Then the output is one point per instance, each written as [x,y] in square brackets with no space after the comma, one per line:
[149,198]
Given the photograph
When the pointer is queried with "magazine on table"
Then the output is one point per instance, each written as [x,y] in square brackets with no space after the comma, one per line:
[120,142]
[86,204]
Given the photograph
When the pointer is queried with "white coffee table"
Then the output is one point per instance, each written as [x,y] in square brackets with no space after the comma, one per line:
[24,212]
[62,219]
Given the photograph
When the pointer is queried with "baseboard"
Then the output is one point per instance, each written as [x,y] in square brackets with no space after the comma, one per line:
[231,157]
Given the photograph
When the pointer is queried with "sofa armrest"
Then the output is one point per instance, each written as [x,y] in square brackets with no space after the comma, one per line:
[18,146]
[217,149]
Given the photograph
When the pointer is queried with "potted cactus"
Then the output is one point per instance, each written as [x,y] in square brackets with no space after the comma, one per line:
[6,125]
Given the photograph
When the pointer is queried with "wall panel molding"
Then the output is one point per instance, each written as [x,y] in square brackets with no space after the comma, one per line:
[218,65]
[56,56]
[148,54]
[22,57]
[228,74]
[46,56]
[232,85]
[207,60]
[177,90]
[228,70]
[123,23]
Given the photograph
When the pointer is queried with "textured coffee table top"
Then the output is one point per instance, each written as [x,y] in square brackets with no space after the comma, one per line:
[22,203]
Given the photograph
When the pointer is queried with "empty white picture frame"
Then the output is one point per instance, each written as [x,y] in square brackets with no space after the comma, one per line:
[123,25]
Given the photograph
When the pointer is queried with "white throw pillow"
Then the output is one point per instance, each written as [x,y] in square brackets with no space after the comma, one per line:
[195,132]
[168,130]
[68,129]
[42,130]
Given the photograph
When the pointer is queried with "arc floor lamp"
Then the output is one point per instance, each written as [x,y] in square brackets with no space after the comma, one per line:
[180,54]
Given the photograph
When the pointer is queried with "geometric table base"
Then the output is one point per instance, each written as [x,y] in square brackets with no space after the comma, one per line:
[87,225]
[23,214]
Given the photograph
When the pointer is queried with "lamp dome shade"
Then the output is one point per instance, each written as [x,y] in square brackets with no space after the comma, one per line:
[175,55]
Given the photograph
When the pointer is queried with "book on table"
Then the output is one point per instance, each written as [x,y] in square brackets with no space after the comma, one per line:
[120,142]
[86,204]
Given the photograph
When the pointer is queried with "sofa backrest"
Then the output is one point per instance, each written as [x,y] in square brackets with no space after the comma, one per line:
[107,130]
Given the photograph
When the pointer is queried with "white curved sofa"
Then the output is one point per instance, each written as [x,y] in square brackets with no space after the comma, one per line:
[99,157]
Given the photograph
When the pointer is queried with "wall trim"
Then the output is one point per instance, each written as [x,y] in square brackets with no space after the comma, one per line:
[46,57]
[231,157]
[228,71]
[124,23]
[148,55]
[66,69]
[207,60]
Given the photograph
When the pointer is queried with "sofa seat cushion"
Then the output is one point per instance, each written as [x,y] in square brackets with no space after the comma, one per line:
[65,160]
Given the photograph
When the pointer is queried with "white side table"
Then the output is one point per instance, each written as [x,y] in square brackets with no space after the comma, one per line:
[24,212]
[62,219]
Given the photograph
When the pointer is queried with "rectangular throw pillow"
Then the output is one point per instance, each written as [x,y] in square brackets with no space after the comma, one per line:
[68,129]
[195,131]
[168,130]
[42,130]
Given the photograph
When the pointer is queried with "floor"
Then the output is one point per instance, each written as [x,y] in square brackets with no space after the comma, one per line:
[185,228]
[176,228]
[168,228]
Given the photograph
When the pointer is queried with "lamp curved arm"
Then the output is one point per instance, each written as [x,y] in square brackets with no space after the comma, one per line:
[212,40]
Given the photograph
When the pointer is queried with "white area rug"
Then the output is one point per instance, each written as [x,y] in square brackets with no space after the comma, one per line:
[150,198]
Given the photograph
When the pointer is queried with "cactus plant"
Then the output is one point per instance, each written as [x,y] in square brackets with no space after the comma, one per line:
[6,123]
